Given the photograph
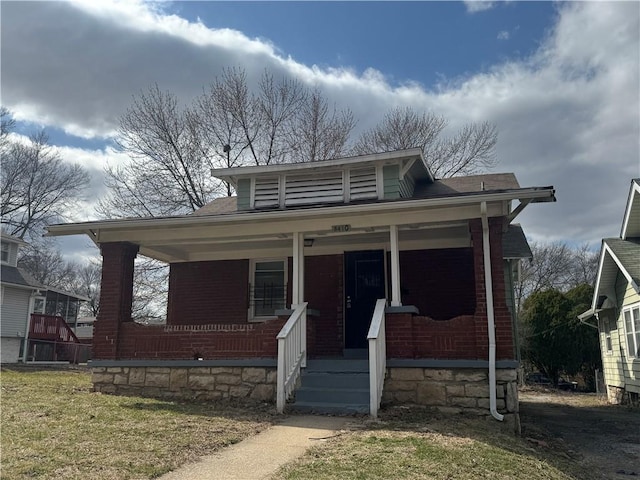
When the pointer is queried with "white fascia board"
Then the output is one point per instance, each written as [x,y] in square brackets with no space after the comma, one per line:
[596,290]
[232,174]
[621,267]
[22,287]
[633,191]
[6,238]
[64,292]
[606,251]
[93,228]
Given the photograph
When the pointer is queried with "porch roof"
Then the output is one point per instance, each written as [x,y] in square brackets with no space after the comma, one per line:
[194,237]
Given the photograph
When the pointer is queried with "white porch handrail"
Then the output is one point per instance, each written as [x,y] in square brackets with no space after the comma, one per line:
[292,352]
[377,357]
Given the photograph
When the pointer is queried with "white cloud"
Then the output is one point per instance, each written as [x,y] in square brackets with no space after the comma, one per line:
[567,116]
[475,6]
[503,35]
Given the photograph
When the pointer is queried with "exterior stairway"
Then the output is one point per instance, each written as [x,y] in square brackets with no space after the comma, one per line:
[334,386]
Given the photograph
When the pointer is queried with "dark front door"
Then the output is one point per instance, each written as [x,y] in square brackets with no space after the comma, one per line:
[364,284]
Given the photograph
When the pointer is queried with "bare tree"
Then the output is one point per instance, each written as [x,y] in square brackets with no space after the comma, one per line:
[45,263]
[556,266]
[584,266]
[471,150]
[7,124]
[167,173]
[150,290]
[281,122]
[86,281]
[318,132]
[37,187]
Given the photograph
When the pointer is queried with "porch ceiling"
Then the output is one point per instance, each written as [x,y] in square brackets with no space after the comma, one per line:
[266,233]
[323,243]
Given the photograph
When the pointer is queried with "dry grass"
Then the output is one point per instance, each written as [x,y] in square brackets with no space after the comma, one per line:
[416,443]
[54,426]
[559,397]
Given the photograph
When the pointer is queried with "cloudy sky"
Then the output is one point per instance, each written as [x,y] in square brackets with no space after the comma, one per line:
[560,80]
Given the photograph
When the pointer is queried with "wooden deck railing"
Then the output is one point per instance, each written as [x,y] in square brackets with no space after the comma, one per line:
[51,327]
[377,357]
[292,354]
[53,336]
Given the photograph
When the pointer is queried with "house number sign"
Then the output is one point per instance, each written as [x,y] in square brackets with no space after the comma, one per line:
[341,228]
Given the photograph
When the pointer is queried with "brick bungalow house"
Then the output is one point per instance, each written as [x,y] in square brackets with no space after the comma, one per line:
[341,283]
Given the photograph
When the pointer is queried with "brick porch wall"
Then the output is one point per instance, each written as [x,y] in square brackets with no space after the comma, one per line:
[214,341]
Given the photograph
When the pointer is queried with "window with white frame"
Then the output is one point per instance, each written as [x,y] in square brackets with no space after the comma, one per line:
[268,288]
[4,253]
[607,326]
[632,329]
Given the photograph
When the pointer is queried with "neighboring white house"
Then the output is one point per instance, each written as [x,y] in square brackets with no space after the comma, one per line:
[616,305]
[84,328]
[21,296]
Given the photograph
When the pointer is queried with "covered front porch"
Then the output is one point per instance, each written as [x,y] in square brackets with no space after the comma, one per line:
[328,300]
[417,285]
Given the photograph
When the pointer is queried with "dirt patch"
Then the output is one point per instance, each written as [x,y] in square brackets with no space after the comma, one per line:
[604,437]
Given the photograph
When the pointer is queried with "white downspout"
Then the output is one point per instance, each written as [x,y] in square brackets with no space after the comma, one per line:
[488,284]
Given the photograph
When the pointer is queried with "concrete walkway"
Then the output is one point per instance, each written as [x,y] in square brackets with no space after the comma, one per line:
[260,456]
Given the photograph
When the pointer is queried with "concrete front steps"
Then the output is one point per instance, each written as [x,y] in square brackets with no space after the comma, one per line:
[334,386]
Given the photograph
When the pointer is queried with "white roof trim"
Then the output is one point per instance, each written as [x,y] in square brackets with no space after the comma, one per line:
[232,174]
[606,250]
[89,228]
[7,238]
[633,191]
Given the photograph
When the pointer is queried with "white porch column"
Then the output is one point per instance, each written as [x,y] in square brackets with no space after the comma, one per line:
[395,267]
[297,291]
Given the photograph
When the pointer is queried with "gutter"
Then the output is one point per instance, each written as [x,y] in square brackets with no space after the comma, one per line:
[491,327]
[583,317]
[536,194]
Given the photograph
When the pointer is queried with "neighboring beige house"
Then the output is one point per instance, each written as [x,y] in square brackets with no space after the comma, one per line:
[616,306]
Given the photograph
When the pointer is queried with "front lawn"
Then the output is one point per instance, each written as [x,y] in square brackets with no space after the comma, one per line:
[54,426]
[416,443]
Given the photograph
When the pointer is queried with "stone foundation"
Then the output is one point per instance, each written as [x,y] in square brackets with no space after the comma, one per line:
[200,383]
[620,396]
[454,390]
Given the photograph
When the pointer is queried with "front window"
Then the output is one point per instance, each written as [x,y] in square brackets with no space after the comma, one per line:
[4,253]
[268,288]
[632,330]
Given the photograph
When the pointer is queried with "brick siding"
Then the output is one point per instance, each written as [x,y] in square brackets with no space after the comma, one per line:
[439,282]
[207,297]
[208,292]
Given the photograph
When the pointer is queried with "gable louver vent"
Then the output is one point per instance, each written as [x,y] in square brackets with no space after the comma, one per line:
[304,190]
[363,183]
[266,192]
